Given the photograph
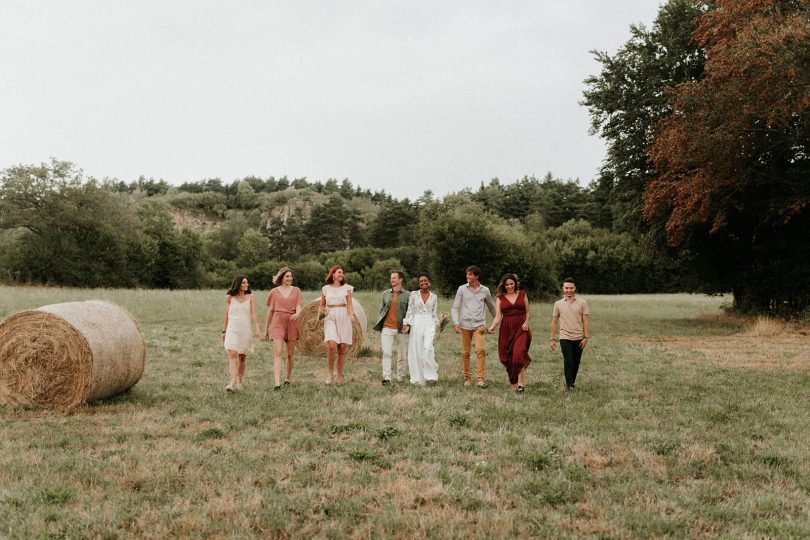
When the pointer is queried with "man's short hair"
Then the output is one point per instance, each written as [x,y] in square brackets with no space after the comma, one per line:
[570,280]
[474,270]
[399,273]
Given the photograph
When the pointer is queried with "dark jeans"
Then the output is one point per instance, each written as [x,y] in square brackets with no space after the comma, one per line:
[572,354]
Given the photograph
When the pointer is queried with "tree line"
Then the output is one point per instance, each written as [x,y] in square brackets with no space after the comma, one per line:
[705,187]
[58,227]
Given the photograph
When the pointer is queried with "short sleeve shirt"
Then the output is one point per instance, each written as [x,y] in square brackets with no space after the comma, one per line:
[571,316]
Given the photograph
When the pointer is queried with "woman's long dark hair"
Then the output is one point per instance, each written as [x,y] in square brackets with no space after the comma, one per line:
[502,284]
[236,285]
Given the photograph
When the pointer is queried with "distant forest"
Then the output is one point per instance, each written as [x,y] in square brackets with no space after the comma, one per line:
[61,228]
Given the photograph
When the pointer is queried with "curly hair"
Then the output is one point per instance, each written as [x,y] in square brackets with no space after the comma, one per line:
[502,283]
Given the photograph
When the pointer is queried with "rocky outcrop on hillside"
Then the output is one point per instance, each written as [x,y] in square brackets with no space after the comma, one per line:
[282,205]
[286,210]
[193,219]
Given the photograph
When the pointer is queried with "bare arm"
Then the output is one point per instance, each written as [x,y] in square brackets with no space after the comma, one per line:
[267,321]
[298,308]
[349,304]
[528,312]
[269,316]
[225,322]
[498,316]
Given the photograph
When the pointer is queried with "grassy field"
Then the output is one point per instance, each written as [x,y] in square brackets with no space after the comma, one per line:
[686,423]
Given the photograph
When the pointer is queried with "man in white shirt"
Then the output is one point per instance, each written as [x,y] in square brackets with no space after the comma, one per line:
[469,320]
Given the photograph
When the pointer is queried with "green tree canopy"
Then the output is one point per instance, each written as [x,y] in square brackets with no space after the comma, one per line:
[630,95]
[75,231]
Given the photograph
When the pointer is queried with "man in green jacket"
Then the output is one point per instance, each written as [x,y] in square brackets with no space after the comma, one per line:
[393,308]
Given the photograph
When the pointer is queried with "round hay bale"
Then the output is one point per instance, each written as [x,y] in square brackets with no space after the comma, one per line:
[64,355]
[311,329]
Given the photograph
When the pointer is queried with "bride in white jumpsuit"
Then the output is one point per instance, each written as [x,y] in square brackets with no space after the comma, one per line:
[420,322]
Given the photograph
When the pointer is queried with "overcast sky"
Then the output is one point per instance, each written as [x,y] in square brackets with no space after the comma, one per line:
[403,96]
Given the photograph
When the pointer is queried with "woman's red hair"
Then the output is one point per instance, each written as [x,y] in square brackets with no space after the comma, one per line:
[330,276]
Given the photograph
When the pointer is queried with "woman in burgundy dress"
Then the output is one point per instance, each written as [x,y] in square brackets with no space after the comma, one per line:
[512,313]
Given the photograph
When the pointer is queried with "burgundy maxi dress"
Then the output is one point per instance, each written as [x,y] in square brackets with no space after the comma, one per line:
[513,341]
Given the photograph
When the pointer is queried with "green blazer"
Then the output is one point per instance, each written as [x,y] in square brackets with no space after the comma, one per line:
[402,308]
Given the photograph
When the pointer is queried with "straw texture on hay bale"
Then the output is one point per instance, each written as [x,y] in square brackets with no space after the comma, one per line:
[63,355]
[311,340]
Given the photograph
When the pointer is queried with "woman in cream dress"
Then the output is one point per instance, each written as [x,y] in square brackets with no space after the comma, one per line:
[336,302]
[420,322]
[240,310]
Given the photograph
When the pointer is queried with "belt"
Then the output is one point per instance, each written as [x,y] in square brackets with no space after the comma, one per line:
[335,305]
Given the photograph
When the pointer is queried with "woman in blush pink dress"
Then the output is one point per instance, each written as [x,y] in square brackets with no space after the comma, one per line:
[240,311]
[336,302]
[281,324]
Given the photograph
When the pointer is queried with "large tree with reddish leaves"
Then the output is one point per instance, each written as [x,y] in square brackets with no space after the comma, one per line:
[733,158]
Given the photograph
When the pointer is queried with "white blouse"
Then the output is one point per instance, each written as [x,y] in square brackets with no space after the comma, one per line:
[336,296]
[417,307]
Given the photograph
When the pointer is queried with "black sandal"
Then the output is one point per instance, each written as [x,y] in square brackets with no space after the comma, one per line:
[519,390]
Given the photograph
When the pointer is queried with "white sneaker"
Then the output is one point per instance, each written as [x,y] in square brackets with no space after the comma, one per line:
[229,388]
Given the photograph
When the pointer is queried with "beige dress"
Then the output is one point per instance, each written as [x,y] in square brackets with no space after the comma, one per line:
[238,336]
[337,326]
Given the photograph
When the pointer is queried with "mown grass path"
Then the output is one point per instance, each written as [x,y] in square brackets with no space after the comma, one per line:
[686,423]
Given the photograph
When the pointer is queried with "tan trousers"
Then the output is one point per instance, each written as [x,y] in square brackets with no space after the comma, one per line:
[480,353]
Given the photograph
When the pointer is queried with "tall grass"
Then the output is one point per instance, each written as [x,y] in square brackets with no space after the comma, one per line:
[662,438]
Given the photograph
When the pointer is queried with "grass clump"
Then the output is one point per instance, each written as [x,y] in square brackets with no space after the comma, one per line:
[337,429]
[458,420]
[211,433]
[56,495]
[386,433]
[542,460]
[766,327]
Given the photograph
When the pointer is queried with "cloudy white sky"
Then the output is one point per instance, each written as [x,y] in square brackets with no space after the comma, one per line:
[403,96]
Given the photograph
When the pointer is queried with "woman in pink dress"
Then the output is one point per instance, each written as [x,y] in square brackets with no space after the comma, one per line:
[240,311]
[514,338]
[336,302]
[281,324]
